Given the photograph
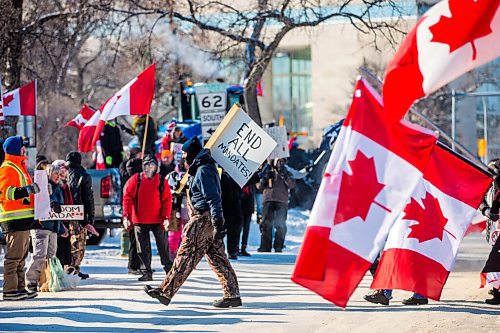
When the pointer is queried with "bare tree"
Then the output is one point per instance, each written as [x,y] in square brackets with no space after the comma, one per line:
[256,28]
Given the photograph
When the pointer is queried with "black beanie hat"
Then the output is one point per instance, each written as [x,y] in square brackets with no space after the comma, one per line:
[74,158]
[150,159]
[192,147]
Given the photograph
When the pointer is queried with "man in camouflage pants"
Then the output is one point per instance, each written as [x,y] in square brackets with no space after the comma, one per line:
[203,234]
[78,239]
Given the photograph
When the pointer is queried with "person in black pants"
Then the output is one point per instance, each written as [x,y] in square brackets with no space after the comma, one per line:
[231,208]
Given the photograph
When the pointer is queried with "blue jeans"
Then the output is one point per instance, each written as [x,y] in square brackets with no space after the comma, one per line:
[258,203]
[388,294]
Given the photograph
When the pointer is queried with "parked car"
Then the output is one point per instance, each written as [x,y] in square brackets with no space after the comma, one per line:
[108,201]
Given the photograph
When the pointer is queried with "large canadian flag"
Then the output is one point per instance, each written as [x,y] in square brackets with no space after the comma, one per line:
[81,118]
[423,243]
[133,99]
[21,101]
[453,37]
[373,170]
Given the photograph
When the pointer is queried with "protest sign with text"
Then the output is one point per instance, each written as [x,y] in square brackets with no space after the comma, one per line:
[239,145]
[278,133]
[68,212]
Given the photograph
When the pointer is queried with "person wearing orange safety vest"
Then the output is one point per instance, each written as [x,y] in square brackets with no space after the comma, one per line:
[16,216]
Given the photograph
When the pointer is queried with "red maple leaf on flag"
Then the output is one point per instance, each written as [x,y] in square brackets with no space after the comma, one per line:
[7,99]
[457,30]
[430,218]
[358,190]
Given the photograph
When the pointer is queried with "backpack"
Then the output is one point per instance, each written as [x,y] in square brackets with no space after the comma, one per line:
[161,187]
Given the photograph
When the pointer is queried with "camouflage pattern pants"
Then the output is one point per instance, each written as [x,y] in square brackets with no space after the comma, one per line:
[78,241]
[197,242]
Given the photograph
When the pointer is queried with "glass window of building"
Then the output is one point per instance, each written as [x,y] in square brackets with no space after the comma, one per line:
[291,87]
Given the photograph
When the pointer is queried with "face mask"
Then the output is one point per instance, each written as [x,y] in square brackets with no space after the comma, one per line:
[150,170]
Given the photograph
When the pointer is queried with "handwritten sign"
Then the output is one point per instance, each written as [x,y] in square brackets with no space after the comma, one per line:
[176,149]
[69,212]
[239,145]
[42,198]
[279,135]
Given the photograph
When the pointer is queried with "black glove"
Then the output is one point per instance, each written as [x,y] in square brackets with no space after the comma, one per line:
[32,189]
[219,230]
[56,207]
[493,217]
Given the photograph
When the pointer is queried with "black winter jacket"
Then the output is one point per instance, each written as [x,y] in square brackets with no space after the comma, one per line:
[80,184]
[205,189]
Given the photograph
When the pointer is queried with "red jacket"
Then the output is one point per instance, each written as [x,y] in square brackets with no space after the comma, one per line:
[149,210]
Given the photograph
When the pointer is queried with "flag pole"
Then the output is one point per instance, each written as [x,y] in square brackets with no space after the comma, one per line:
[145,135]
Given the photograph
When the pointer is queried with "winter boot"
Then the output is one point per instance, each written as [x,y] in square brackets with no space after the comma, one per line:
[146,276]
[243,252]
[377,297]
[496,298]
[227,302]
[415,301]
[157,294]
[14,296]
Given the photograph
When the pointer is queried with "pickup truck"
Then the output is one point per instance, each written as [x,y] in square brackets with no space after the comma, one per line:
[106,185]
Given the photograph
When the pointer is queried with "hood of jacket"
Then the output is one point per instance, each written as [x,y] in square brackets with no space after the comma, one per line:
[204,157]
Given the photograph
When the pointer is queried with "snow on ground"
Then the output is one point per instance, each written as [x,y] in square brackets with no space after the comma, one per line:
[112,301]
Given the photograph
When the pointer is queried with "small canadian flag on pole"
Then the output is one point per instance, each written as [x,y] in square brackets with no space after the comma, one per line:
[2,120]
[21,101]
[452,38]
[81,118]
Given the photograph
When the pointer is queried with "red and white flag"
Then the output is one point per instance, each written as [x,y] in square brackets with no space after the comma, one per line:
[423,243]
[87,133]
[21,101]
[133,99]
[373,170]
[99,159]
[453,37]
[2,119]
[81,118]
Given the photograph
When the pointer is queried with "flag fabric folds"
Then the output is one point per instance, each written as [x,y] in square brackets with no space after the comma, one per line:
[373,170]
[87,133]
[452,38]
[133,99]
[423,243]
[81,118]
[21,101]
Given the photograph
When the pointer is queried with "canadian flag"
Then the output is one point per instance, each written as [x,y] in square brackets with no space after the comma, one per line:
[374,167]
[133,99]
[21,101]
[453,37]
[423,243]
[81,118]
[87,133]
[99,160]
[2,119]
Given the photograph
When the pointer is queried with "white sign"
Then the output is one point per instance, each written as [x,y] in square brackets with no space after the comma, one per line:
[42,198]
[239,145]
[212,103]
[279,135]
[176,149]
[68,212]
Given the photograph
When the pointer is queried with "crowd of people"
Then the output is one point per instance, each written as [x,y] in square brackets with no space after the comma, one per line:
[188,220]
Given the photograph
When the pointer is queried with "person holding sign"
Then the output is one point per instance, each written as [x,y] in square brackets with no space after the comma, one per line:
[275,181]
[44,240]
[203,233]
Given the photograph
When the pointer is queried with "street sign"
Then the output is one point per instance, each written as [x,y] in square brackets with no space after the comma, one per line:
[212,103]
